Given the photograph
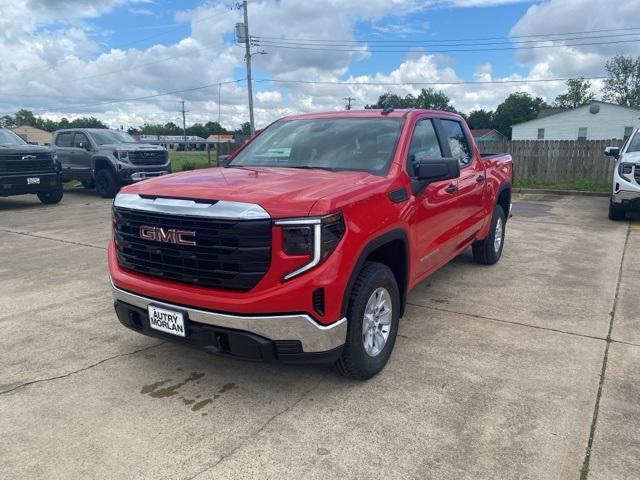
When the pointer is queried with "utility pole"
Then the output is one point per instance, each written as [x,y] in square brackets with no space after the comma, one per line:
[184,126]
[247,57]
[349,100]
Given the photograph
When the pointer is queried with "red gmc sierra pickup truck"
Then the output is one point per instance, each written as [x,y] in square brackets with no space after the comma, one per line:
[303,246]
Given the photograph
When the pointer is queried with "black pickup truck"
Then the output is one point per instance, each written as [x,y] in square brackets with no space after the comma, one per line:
[26,168]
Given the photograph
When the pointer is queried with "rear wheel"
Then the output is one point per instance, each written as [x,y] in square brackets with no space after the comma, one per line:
[616,212]
[489,250]
[106,183]
[52,196]
[373,316]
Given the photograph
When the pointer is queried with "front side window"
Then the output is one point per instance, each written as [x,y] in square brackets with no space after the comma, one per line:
[424,145]
[457,141]
[361,144]
[7,137]
[80,140]
[582,133]
[627,132]
[64,139]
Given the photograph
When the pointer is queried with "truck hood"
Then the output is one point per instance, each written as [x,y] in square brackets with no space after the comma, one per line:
[130,147]
[283,192]
[26,149]
[631,157]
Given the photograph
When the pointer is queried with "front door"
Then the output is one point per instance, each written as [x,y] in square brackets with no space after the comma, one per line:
[435,216]
[64,146]
[81,156]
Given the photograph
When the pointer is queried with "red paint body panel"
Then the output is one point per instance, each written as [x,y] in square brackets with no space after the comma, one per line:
[437,224]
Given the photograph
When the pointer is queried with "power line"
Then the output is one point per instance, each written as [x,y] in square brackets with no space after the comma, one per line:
[134,99]
[363,49]
[452,39]
[478,82]
[414,43]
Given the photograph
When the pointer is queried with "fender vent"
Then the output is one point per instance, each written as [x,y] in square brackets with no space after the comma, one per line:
[318,301]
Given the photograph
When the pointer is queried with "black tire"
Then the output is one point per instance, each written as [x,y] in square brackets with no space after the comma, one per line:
[616,212]
[354,361]
[88,184]
[51,197]
[106,183]
[485,251]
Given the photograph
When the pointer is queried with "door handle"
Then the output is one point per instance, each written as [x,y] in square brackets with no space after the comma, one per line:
[451,188]
[480,178]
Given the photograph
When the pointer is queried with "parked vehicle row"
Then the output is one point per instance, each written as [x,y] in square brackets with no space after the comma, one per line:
[302,248]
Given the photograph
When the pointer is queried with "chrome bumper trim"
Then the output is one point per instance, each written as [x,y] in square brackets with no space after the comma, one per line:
[314,337]
[137,176]
[176,206]
[624,195]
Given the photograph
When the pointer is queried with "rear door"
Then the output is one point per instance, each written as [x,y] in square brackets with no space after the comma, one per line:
[64,146]
[434,219]
[470,209]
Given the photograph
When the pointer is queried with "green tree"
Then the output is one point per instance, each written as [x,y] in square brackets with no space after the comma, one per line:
[198,130]
[214,128]
[433,100]
[578,93]
[517,108]
[26,117]
[133,131]
[87,122]
[391,100]
[7,121]
[623,84]
[245,128]
[480,119]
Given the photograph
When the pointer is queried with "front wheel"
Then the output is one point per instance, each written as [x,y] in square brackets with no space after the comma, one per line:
[373,316]
[616,212]
[106,183]
[51,197]
[489,250]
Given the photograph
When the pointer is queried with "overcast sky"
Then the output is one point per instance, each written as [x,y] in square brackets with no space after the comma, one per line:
[71,57]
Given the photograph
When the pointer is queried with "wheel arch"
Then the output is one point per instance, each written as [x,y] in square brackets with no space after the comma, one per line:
[383,249]
[503,198]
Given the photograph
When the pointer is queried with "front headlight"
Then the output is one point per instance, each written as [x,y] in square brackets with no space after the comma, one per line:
[313,236]
[123,155]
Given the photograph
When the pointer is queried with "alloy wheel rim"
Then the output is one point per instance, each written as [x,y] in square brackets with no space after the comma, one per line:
[497,240]
[376,323]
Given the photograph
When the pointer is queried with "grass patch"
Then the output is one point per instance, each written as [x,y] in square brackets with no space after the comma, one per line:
[581,184]
[191,160]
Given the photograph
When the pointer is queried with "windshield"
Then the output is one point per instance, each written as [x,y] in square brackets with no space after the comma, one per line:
[364,144]
[634,144]
[7,137]
[105,137]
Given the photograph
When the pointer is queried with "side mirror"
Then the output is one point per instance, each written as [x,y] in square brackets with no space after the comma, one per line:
[434,170]
[84,146]
[224,160]
[612,152]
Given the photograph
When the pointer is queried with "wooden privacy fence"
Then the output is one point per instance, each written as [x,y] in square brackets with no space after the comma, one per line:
[557,161]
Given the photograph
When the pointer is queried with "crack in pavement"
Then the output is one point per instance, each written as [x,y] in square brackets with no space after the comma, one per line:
[249,437]
[57,377]
[44,237]
[510,322]
[584,471]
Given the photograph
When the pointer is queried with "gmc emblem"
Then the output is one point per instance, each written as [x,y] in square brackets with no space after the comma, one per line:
[167,235]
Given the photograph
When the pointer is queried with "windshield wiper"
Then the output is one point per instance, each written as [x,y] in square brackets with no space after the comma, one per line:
[309,167]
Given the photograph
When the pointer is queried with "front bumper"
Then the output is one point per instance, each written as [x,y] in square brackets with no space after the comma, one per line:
[626,198]
[133,173]
[20,184]
[277,330]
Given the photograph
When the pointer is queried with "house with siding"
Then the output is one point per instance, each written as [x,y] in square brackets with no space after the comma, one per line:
[33,135]
[596,121]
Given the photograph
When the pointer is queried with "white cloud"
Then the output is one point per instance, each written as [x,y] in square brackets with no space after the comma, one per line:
[56,61]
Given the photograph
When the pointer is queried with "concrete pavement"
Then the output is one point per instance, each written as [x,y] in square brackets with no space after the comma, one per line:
[495,374]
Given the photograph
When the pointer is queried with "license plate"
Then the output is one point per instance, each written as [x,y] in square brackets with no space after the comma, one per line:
[33,181]
[166,321]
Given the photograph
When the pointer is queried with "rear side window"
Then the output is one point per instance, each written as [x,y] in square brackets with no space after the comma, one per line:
[424,145]
[457,141]
[64,139]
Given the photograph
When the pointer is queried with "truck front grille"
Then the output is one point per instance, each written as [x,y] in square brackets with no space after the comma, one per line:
[148,157]
[13,164]
[229,254]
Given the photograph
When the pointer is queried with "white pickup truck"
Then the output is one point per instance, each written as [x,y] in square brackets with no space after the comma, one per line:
[625,195]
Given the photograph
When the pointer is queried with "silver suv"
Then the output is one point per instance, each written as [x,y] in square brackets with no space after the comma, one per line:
[107,159]
[625,195]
